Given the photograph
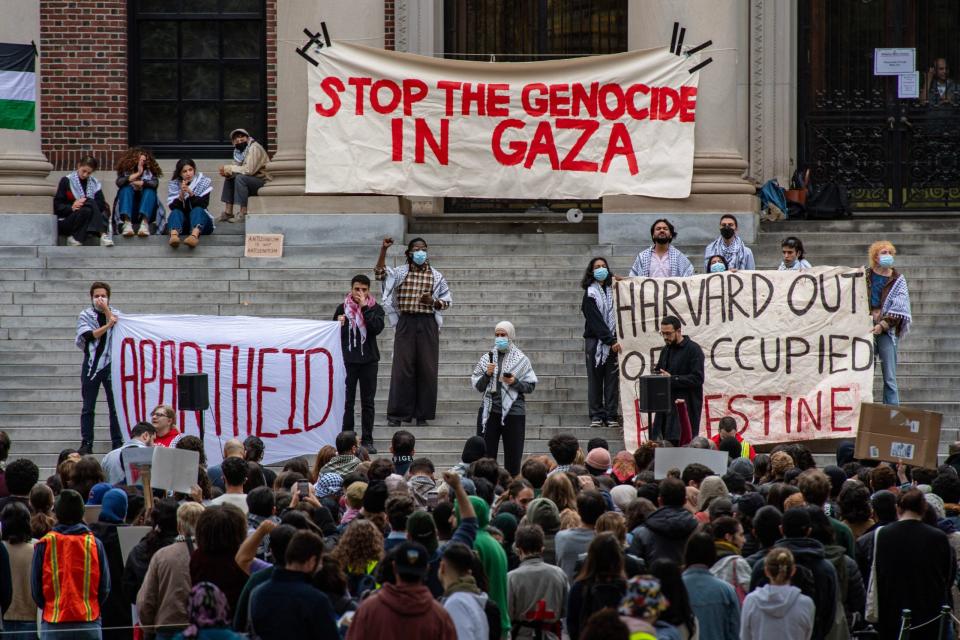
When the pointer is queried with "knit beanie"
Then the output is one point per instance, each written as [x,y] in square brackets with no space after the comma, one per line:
[69,508]
[355,494]
[507,523]
[599,460]
[742,467]
[114,509]
[421,528]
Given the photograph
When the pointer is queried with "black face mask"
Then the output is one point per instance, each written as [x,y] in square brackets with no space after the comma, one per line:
[662,240]
[240,146]
[727,232]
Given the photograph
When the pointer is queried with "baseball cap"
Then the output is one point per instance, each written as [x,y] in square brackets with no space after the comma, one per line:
[411,559]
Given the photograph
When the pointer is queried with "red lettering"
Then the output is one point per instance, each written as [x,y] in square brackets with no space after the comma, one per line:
[766,400]
[543,144]
[585,99]
[171,380]
[668,103]
[731,409]
[473,95]
[635,113]
[413,92]
[131,377]
[518,148]
[396,139]
[144,379]
[293,353]
[198,360]
[498,100]
[708,419]
[803,404]
[448,87]
[422,133]
[688,103]
[620,145]
[237,386]
[392,101]
[615,112]
[332,86]
[217,348]
[261,389]
[307,387]
[559,100]
[788,408]
[535,107]
[359,84]
[570,162]
[838,408]
[654,103]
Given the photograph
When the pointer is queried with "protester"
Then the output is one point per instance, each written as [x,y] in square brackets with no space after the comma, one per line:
[115,610]
[359,551]
[462,598]
[678,614]
[564,448]
[142,435]
[793,255]
[232,448]
[20,612]
[777,609]
[138,177]
[80,207]
[94,331]
[245,176]
[235,472]
[346,459]
[661,260]
[570,543]
[890,309]
[493,559]
[21,476]
[727,428]
[208,610]
[188,196]
[536,591]
[361,321]
[815,487]
[414,297]
[730,247]
[642,607]
[730,566]
[600,583]
[681,360]
[164,420]
[163,533]
[600,344]
[504,376]
[714,602]
[220,531]
[665,531]
[717,264]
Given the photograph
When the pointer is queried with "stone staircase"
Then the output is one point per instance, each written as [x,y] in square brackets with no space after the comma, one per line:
[531,279]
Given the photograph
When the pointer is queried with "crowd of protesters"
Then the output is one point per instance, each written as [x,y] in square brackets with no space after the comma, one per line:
[579,544]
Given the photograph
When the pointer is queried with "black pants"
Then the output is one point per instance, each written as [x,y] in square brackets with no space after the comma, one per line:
[416,361]
[89,390]
[512,432]
[603,390]
[84,221]
[366,376]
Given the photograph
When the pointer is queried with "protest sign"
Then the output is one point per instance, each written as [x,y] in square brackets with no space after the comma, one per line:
[666,458]
[174,469]
[91,513]
[788,354]
[280,379]
[134,459]
[129,538]
[397,123]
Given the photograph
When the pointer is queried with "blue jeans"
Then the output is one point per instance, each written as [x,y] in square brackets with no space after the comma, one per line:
[886,346]
[128,207]
[20,629]
[198,218]
[77,631]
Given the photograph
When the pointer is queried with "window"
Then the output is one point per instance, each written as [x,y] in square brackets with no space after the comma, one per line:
[523,31]
[197,71]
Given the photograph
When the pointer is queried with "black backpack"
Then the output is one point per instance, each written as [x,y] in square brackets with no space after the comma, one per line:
[492,611]
[600,595]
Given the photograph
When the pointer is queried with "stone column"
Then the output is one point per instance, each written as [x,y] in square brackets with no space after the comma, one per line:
[718,162]
[282,205]
[26,204]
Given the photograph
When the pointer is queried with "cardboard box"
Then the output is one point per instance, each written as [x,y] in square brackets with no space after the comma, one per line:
[898,434]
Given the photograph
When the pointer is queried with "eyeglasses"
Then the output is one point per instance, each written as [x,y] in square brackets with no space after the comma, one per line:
[159,414]
[667,334]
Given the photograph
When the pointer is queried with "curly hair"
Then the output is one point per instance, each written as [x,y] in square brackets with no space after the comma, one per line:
[127,163]
[360,544]
[873,252]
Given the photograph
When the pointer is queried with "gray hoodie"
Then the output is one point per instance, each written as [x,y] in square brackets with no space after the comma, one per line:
[776,611]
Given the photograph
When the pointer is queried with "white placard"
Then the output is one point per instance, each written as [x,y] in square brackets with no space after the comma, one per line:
[174,469]
[666,458]
[133,458]
[908,85]
[894,61]
[129,538]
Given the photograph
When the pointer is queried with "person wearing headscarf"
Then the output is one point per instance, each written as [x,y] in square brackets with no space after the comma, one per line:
[730,247]
[600,344]
[415,295]
[115,611]
[188,197]
[890,310]
[504,376]
[361,321]
[711,488]
[642,607]
[209,615]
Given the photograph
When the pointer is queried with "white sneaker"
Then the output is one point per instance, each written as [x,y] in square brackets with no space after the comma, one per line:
[106,241]
[127,229]
[144,230]
[73,242]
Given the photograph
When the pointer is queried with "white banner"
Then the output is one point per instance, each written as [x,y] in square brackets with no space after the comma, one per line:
[398,123]
[787,354]
[277,378]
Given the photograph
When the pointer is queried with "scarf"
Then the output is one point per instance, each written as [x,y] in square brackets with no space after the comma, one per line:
[396,275]
[732,253]
[604,299]
[679,264]
[200,185]
[88,321]
[515,362]
[240,156]
[358,326]
[341,465]
[798,264]
[76,187]
[897,305]
[465,584]
[207,609]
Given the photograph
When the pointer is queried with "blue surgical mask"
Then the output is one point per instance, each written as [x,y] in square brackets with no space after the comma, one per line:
[885,261]
[601,274]
[501,343]
[717,267]
[419,257]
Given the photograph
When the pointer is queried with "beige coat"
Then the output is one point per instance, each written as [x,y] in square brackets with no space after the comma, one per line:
[254,164]
[162,599]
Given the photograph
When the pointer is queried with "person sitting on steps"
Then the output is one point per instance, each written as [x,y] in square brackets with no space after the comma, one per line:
[80,207]
[188,196]
[245,176]
[138,177]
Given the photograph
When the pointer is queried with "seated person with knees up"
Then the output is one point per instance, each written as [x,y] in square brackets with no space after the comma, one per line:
[245,176]
[80,207]
[188,196]
[138,177]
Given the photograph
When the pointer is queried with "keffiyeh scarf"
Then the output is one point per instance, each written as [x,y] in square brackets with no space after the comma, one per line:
[396,275]
[603,296]
[240,156]
[358,325]
[514,362]
[76,187]
[201,185]
[88,321]
[679,264]
[732,253]
[897,305]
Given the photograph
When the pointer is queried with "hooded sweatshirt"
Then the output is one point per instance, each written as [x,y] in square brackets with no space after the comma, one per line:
[464,601]
[493,558]
[663,535]
[402,612]
[776,611]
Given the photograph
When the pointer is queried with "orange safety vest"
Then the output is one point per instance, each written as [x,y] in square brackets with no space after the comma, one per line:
[71,578]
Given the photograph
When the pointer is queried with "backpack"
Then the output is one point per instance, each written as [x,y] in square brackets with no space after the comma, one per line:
[600,595]
[492,612]
[772,193]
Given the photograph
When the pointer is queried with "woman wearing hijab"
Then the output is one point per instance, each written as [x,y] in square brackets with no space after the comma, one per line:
[600,344]
[504,376]
[209,615]
[188,196]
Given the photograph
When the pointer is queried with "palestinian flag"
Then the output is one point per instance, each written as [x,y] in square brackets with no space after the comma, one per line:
[18,86]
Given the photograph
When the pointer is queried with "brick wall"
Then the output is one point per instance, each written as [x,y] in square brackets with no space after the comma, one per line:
[272,76]
[83,91]
[389,35]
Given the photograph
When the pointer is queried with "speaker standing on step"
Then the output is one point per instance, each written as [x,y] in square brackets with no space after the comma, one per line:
[94,333]
[600,345]
[681,360]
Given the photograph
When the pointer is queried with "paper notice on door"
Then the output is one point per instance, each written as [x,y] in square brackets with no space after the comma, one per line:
[908,85]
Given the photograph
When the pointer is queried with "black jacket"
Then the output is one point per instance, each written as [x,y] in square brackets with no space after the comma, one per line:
[663,535]
[594,325]
[63,199]
[288,606]
[115,611]
[684,362]
[374,317]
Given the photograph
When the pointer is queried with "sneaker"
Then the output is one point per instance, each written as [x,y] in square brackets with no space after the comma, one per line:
[174,239]
[73,242]
[144,230]
[225,217]
[372,450]
[393,423]
[106,241]
[127,229]
[86,448]
[192,240]
[596,424]
[421,422]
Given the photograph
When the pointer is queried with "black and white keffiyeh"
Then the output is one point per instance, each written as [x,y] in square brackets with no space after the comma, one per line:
[514,362]
[733,253]
[603,296]
[201,185]
[76,187]
[396,275]
[679,264]
[240,156]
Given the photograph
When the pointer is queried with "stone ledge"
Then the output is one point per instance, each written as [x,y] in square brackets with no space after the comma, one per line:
[346,228]
[324,204]
[28,229]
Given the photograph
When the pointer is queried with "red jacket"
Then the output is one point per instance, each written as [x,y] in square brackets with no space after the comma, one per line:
[746,449]
[402,612]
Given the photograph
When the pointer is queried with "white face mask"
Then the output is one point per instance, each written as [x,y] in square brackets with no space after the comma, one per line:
[102,299]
